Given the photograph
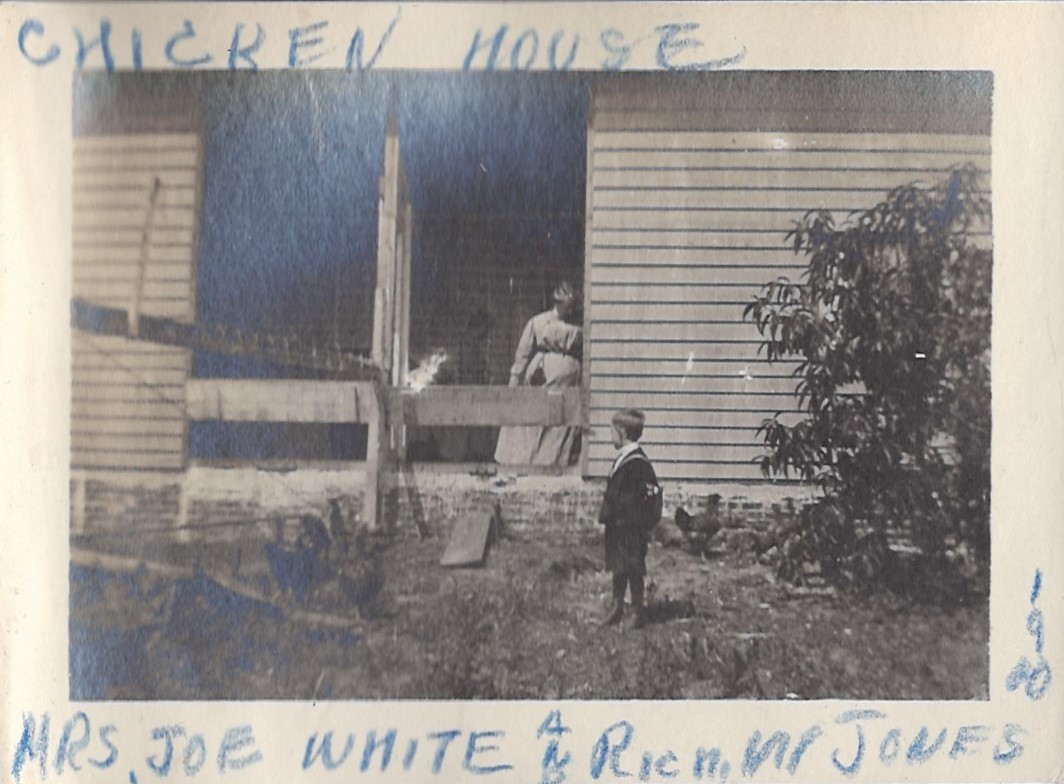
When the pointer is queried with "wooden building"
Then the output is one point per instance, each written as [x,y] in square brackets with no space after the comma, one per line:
[137,196]
[692,183]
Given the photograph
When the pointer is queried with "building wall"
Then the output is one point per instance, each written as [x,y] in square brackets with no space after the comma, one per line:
[136,198]
[692,189]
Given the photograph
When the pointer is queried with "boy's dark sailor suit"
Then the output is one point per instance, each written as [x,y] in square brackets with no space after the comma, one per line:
[623,511]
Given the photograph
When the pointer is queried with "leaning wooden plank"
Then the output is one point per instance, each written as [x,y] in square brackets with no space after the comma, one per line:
[308,617]
[90,559]
[470,538]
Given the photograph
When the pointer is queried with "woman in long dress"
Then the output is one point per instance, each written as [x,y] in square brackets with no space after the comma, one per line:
[548,354]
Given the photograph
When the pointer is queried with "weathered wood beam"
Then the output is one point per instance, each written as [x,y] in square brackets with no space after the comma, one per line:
[483,405]
[100,320]
[254,400]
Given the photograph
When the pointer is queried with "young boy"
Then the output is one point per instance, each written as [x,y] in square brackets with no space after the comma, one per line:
[624,512]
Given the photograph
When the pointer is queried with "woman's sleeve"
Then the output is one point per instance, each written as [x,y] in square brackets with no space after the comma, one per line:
[526,347]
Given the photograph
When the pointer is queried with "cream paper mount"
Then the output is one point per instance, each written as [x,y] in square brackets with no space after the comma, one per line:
[266,272]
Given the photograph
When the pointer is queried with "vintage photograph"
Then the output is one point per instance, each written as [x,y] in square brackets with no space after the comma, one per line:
[544,385]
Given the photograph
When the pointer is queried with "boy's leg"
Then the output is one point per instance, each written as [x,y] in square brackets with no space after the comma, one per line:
[636,581]
[620,585]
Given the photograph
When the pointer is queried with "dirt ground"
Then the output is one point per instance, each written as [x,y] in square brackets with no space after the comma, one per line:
[523,626]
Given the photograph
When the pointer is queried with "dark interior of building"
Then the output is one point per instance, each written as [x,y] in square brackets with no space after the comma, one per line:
[288,233]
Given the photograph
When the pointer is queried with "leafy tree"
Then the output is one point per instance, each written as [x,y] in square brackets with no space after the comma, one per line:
[890,328]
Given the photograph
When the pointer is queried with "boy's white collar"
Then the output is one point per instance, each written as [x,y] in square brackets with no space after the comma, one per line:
[622,453]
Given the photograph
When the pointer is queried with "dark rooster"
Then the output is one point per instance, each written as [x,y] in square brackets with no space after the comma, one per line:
[698,529]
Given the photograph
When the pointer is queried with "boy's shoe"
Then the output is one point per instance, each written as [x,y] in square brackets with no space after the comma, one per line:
[640,617]
[615,614]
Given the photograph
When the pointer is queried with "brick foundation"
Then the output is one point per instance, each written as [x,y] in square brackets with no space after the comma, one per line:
[565,508]
[227,503]
[215,503]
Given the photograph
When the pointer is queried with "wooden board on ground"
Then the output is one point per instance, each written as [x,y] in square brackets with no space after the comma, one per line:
[470,537]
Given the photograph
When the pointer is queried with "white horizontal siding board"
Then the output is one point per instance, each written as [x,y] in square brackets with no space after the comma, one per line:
[154,162]
[680,400]
[116,408]
[116,290]
[111,373]
[610,293]
[131,256]
[124,178]
[128,386]
[122,144]
[161,236]
[122,460]
[136,391]
[673,313]
[695,385]
[649,350]
[157,442]
[103,219]
[660,257]
[731,281]
[604,239]
[161,427]
[691,472]
[733,453]
[728,332]
[122,198]
[766,179]
[689,368]
[747,420]
[128,398]
[814,159]
[638,237]
[811,118]
[726,141]
[797,201]
[760,218]
[658,437]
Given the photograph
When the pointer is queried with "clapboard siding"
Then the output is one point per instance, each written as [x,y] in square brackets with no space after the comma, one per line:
[763,219]
[701,419]
[704,275]
[791,122]
[689,368]
[927,162]
[865,144]
[843,178]
[796,200]
[128,398]
[702,385]
[646,354]
[654,331]
[690,200]
[666,313]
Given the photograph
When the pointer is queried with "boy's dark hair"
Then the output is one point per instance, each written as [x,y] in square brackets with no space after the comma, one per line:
[629,421]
